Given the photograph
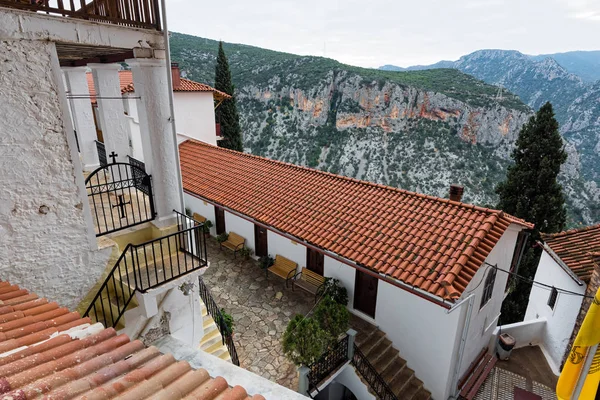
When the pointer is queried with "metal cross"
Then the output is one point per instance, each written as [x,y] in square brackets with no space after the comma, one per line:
[114,156]
[121,205]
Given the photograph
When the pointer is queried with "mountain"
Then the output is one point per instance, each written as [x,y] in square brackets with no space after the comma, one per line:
[585,64]
[417,130]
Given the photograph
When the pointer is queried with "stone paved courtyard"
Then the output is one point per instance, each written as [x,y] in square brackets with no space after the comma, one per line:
[261,309]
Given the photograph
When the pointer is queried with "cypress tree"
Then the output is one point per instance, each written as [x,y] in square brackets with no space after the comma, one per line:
[226,114]
[531,192]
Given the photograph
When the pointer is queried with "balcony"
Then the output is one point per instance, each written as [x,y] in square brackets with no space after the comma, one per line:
[130,13]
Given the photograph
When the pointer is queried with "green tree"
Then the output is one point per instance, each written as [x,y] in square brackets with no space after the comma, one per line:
[333,318]
[226,114]
[531,192]
[303,340]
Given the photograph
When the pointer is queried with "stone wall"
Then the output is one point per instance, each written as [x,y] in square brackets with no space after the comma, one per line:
[45,241]
[591,290]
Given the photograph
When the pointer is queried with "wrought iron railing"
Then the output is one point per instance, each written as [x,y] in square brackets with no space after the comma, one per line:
[139,172]
[377,383]
[135,13]
[101,149]
[145,266]
[334,358]
[217,316]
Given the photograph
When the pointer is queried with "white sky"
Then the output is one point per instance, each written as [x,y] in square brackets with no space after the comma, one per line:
[400,32]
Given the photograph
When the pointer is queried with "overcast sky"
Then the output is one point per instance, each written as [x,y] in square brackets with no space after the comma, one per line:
[371,33]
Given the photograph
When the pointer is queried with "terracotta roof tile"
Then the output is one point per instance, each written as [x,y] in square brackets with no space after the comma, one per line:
[577,248]
[186,85]
[47,351]
[381,223]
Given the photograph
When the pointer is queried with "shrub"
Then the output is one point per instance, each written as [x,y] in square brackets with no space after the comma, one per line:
[206,226]
[266,262]
[227,320]
[222,237]
[303,340]
[245,252]
[332,287]
[333,318]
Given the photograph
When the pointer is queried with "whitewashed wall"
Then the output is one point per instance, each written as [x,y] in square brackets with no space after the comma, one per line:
[288,248]
[484,320]
[561,320]
[349,378]
[195,115]
[423,332]
[242,227]
[203,208]
[344,273]
[47,242]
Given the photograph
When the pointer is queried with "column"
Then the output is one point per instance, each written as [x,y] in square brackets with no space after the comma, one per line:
[82,115]
[303,382]
[114,125]
[158,142]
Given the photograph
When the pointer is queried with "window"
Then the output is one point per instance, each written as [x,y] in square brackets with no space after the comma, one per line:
[516,258]
[488,289]
[553,297]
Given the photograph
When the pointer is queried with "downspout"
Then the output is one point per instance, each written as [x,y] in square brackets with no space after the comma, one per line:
[171,106]
[463,341]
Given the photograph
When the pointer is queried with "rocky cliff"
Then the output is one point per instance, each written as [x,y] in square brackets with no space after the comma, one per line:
[420,130]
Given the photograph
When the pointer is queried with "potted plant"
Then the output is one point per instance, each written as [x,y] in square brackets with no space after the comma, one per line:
[228,322]
[245,252]
[266,261]
[222,237]
[332,287]
[206,227]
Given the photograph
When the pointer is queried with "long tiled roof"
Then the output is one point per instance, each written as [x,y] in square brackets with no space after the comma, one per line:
[185,85]
[434,244]
[48,352]
[577,248]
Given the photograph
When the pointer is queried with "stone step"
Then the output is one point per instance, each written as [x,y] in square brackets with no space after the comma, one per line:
[422,394]
[385,359]
[393,369]
[378,351]
[411,389]
[401,380]
[371,341]
[210,338]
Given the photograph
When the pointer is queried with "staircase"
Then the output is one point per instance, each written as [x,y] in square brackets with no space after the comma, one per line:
[212,342]
[394,370]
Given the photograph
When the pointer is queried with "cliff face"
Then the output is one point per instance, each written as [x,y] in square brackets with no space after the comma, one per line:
[382,132]
[420,130]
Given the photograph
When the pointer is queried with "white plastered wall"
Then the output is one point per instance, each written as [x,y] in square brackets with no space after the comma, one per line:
[201,207]
[242,227]
[195,115]
[47,242]
[560,321]
[288,248]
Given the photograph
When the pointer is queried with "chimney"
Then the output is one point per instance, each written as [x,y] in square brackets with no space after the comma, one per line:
[176,75]
[456,192]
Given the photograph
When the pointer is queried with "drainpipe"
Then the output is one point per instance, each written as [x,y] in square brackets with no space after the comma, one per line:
[170,89]
[463,339]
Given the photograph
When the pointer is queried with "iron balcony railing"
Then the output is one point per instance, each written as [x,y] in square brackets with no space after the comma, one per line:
[215,312]
[375,381]
[334,358]
[134,13]
[101,149]
[146,266]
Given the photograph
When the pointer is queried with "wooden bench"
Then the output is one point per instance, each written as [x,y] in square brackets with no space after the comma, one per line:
[309,281]
[234,242]
[283,268]
[199,218]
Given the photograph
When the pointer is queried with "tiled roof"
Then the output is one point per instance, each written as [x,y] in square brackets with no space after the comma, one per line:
[186,85]
[48,352]
[577,248]
[434,244]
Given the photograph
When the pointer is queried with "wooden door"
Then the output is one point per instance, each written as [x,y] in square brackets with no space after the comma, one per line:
[220,220]
[261,247]
[365,293]
[315,261]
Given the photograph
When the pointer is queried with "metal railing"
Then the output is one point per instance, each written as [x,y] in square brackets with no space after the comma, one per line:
[145,266]
[377,383]
[135,13]
[217,316]
[328,363]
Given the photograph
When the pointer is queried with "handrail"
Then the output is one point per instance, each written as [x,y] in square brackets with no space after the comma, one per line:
[217,316]
[145,266]
[328,363]
[377,383]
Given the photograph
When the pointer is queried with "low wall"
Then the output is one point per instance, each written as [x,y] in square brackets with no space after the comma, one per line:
[526,333]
